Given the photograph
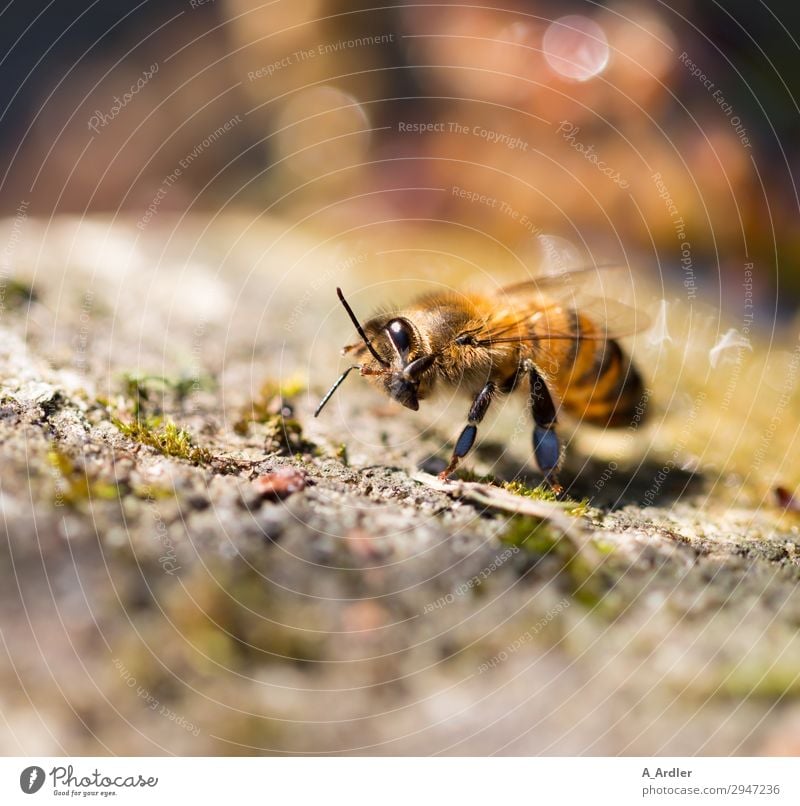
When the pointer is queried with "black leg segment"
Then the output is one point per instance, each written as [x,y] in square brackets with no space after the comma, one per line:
[466,439]
[542,406]
[546,445]
[547,449]
[481,403]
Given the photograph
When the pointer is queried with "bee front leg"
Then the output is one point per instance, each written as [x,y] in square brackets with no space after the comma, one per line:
[546,445]
[466,439]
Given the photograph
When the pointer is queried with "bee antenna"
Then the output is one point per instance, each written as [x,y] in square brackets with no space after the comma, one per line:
[361,332]
[333,388]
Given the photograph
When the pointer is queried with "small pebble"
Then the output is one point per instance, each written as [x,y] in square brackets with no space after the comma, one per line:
[280,483]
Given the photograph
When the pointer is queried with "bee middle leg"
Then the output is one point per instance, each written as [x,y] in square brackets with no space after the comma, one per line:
[546,445]
[466,439]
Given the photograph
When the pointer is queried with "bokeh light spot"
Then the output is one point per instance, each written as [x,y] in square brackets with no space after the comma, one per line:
[576,47]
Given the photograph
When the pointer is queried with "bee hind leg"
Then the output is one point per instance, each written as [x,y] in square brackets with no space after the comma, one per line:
[546,444]
[466,439]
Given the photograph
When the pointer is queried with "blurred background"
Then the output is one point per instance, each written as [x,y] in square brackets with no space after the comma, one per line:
[661,133]
[183,184]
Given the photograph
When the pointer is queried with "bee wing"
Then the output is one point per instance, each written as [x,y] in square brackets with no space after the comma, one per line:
[592,291]
[573,280]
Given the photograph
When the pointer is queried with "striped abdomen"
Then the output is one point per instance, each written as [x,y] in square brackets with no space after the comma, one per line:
[594,379]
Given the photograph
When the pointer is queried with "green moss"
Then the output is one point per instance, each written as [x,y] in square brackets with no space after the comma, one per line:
[540,493]
[588,584]
[16,294]
[149,493]
[543,493]
[232,616]
[530,534]
[754,678]
[604,547]
[167,438]
[272,408]
[284,436]
[274,400]
[74,484]
[136,391]
[144,391]
[341,454]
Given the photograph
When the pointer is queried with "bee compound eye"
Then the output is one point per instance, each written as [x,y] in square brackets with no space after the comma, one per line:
[400,334]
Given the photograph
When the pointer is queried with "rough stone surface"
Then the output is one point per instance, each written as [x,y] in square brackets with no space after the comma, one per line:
[157,603]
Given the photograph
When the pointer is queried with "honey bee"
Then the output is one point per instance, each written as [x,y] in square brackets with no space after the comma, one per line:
[489,344]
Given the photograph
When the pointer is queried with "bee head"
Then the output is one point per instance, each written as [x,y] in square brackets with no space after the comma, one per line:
[391,354]
[400,363]
[408,362]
